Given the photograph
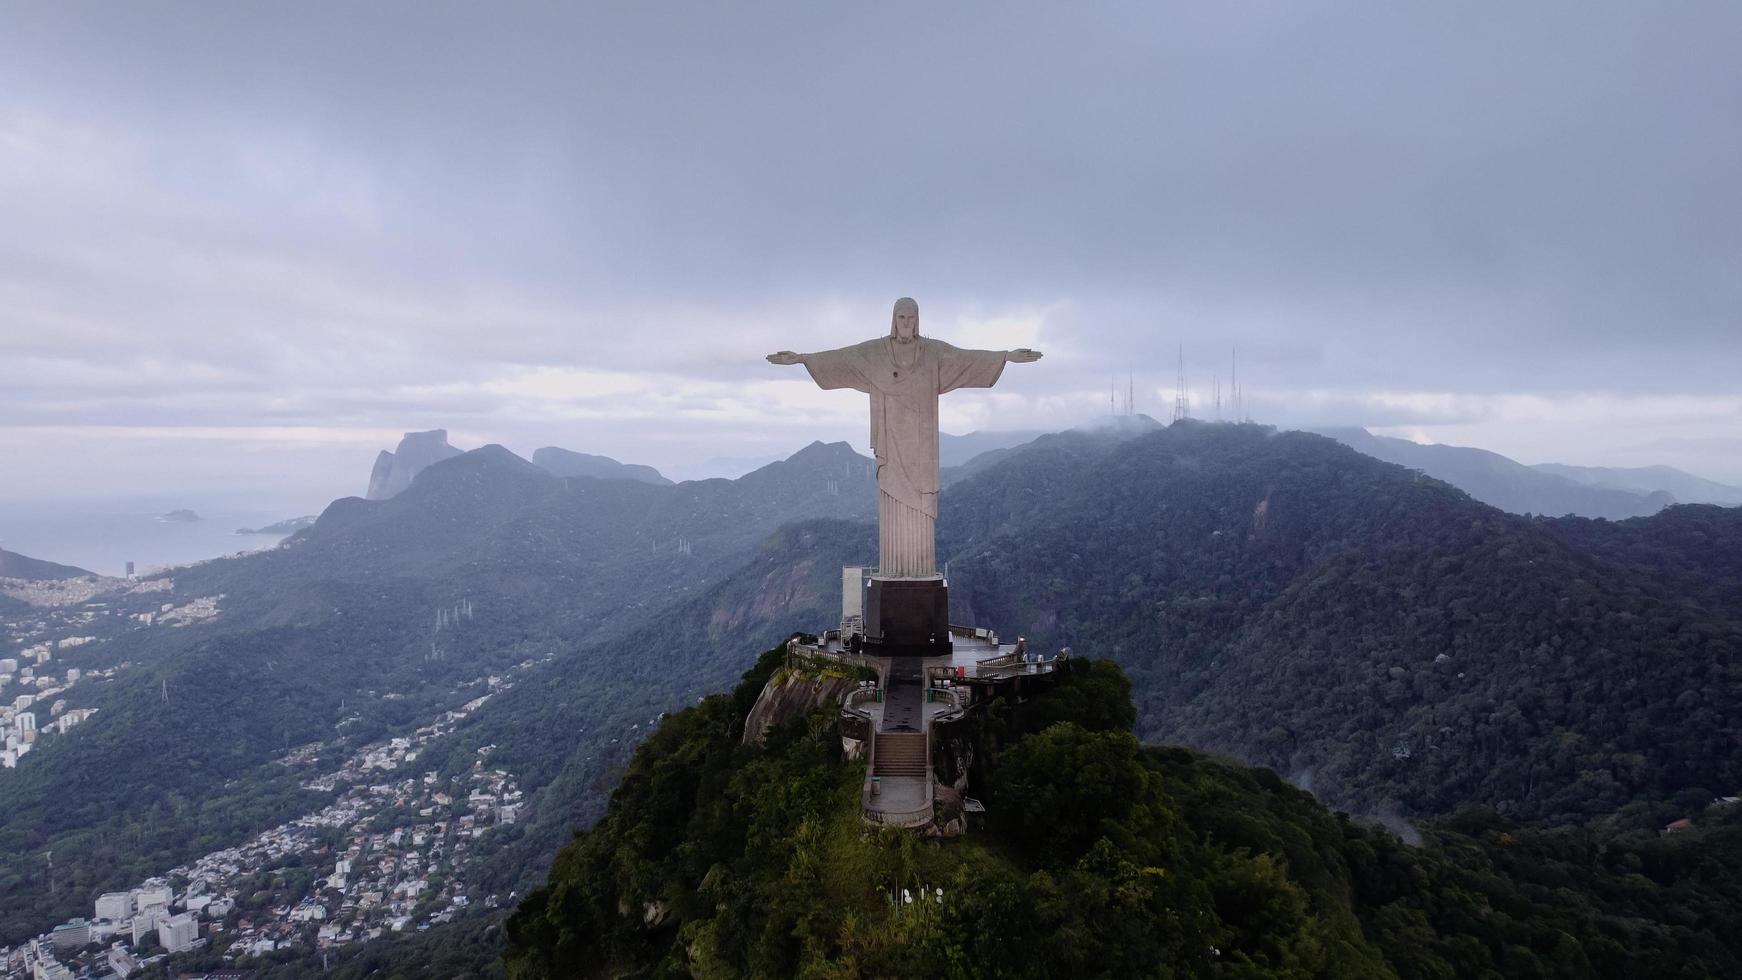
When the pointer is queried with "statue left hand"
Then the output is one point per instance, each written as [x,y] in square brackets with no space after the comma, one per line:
[1022,355]
[785,357]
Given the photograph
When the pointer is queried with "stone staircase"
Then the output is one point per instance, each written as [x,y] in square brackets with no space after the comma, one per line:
[900,754]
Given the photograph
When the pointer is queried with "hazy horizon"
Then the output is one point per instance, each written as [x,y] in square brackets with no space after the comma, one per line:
[245,249]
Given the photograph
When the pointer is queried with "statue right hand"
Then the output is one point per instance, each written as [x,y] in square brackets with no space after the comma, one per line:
[785,357]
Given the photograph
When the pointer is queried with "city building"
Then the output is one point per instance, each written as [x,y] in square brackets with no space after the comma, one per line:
[154,894]
[144,921]
[114,906]
[178,932]
[121,962]
[71,934]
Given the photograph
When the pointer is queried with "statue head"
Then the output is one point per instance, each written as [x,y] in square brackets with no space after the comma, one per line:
[904,324]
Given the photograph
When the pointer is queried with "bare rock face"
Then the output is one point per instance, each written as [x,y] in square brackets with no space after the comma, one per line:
[394,471]
[952,753]
[787,697]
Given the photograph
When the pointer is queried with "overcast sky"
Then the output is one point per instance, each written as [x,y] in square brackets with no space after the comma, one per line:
[244,246]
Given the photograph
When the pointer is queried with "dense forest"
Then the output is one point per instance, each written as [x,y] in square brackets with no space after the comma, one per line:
[333,641]
[1371,633]
[1101,857]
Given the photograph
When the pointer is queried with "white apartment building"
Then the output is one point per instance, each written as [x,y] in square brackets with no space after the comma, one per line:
[153,895]
[114,906]
[145,920]
[178,932]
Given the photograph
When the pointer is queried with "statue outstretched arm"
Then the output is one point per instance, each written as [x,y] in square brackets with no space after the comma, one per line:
[828,368]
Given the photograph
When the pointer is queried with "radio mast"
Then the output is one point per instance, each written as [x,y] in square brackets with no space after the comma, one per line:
[1181,406]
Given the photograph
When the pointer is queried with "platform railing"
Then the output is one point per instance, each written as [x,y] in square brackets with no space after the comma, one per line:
[918,816]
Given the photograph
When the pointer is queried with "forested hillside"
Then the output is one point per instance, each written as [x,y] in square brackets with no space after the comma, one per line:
[1696,549]
[1101,858]
[351,634]
[569,728]
[15,565]
[1371,634]
[1374,634]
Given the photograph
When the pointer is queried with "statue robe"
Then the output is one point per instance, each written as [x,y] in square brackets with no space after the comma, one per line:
[904,433]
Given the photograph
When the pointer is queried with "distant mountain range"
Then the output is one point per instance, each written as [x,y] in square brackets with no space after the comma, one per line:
[1375,634]
[564,462]
[395,471]
[1369,631]
[14,565]
[1685,487]
[590,590]
[1551,489]
[1505,483]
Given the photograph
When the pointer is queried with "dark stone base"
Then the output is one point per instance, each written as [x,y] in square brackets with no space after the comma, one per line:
[907,618]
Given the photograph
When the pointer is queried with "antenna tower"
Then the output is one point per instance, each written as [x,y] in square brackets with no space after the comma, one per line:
[1234,380]
[1181,407]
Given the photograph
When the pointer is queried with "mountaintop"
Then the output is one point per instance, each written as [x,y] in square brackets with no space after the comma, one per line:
[14,565]
[1097,857]
[564,462]
[954,450]
[394,471]
[1374,634]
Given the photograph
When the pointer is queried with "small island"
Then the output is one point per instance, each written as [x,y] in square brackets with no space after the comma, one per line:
[287,526]
[183,516]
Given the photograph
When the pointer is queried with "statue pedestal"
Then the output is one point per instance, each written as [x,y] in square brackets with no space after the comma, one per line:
[907,617]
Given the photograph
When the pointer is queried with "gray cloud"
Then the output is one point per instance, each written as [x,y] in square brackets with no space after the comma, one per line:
[369,218]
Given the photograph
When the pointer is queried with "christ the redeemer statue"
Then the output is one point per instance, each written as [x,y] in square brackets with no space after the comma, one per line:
[904,374]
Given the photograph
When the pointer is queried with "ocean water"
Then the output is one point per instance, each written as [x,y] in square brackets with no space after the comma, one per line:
[103,535]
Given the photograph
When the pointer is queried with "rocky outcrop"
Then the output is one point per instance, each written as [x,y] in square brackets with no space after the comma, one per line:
[564,462]
[787,696]
[395,470]
[952,752]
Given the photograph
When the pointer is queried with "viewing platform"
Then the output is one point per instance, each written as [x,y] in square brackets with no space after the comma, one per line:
[911,694]
[975,655]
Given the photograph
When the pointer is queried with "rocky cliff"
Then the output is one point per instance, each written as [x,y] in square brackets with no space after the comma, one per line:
[789,695]
[395,470]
